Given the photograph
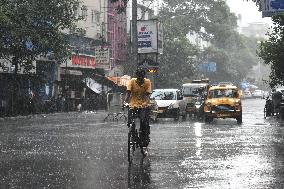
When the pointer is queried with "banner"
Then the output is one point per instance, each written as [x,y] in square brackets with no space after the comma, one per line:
[207,67]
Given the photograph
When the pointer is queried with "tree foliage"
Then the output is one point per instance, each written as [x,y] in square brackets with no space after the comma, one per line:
[176,63]
[272,52]
[37,24]
[214,22]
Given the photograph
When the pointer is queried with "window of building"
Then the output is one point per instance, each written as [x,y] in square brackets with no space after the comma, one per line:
[95,16]
[84,11]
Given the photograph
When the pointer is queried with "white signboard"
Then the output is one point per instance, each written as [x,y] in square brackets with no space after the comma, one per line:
[103,58]
[148,36]
[6,66]
[272,7]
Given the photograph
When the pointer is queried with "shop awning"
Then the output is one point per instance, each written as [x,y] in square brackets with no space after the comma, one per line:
[100,83]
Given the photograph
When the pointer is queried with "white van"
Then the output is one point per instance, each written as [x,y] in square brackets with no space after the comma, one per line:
[170,103]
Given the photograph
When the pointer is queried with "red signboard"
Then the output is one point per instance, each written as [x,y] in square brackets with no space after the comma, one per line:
[99,60]
[83,61]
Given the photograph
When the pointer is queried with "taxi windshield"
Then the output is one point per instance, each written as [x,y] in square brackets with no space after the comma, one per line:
[221,93]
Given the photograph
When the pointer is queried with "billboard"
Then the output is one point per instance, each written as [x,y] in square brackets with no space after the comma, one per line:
[100,60]
[102,56]
[272,7]
[6,66]
[150,36]
[208,67]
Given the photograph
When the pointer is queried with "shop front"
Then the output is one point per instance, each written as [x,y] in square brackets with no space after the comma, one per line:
[15,86]
[83,83]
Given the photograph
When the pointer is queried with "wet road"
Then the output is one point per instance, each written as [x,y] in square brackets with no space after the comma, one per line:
[77,151]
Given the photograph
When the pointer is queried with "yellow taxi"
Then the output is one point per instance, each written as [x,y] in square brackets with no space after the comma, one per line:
[223,101]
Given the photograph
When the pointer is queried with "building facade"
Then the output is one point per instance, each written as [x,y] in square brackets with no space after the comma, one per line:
[99,47]
[143,13]
[116,36]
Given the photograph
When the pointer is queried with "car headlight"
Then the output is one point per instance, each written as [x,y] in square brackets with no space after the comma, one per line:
[237,103]
[197,105]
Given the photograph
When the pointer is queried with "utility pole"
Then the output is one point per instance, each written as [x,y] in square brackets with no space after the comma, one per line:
[134,32]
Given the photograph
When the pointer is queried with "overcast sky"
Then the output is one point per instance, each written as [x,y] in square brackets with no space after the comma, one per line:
[248,10]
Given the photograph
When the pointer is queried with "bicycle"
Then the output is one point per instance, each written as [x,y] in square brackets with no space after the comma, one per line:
[120,116]
[135,138]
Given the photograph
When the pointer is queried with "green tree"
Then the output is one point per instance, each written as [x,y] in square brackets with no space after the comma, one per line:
[38,24]
[272,52]
[176,63]
[214,22]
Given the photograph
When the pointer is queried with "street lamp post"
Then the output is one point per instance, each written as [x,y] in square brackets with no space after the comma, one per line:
[134,32]
[259,71]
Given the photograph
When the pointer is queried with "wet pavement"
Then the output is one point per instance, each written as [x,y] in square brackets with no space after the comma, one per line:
[78,150]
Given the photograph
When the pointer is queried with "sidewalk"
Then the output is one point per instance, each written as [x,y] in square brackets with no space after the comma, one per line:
[96,116]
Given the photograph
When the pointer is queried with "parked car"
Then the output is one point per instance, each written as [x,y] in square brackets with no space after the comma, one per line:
[278,101]
[169,102]
[223,101]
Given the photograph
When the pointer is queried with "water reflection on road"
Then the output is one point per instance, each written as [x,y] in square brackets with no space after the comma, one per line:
[220,155]
[139,174]
[61,151]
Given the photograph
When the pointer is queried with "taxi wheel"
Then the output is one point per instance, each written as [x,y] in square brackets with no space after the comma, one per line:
[239,119]
[208,119]
[281,112]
